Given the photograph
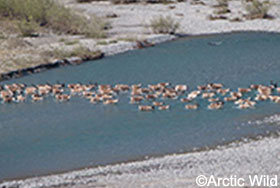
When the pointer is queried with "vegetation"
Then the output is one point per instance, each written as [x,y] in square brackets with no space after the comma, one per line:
[32,14]
[221,7]
[166,25]
[217,17]
[71,42]
[257,9]
[197,2]
[123,1]
[128,39]
[28,28]
[131,1]
[2,35]
[78,51]
[222,3]
[144,1]
[84,1]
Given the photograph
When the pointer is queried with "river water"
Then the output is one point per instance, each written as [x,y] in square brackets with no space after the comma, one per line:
[48,137]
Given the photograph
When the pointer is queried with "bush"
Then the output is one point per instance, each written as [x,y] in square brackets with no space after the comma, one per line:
[28,28]
[51,14]
[222,10]
[94,27]
[222,3]
[18,9]
[257,9]
[166,25]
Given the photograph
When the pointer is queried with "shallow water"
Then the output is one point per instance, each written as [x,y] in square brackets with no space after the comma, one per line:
[45,137]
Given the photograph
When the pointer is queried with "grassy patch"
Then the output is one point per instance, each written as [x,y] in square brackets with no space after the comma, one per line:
[222,10]
[28,28]
[257,9]
[11,43]
[166,25]
[222,7]
[15,63]
[128,39]
[2,35]
[50,14]
[71,42]
[222,3]
[79,51]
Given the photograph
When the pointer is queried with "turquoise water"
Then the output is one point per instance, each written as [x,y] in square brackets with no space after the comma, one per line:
[46,137]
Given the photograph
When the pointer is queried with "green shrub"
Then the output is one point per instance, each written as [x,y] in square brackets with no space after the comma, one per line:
[222,3]
[28,28]
[257,9]
[166,25]
[51,14]
[25,9]
[222,10]
[94,27]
